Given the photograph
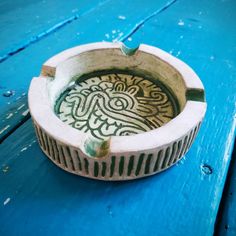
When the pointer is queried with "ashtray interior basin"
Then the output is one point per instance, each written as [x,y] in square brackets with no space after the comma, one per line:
[108,112]
[115,103]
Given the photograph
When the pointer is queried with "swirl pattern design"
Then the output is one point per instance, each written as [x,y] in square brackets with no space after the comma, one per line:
[115,104]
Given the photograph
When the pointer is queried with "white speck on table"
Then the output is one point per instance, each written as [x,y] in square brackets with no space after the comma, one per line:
[121,17]
[180,23]
[6,201]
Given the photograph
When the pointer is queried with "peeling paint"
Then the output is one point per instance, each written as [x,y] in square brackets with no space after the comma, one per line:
[121,17]
[28,146]
[25,113]
[178,53]
[6,201]
[5,169]
[4,129]
[8,93]
[20,107]
[9,116]
[181,23]
[23,149]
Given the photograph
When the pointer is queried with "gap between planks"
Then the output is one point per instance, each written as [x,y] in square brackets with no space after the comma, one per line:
[222,226]
[47,32]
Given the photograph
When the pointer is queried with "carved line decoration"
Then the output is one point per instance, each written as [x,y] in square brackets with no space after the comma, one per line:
[116,104]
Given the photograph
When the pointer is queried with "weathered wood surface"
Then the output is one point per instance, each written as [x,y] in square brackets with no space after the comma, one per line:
[37,196]
[226,224]
[25,22]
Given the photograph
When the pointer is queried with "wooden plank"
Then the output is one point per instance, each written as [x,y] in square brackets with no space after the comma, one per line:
[27,63]
[193,32]
[13,116]
[227,215]
[23,22]
[38,197]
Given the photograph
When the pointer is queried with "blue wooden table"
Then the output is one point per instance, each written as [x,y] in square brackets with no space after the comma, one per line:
[38,198]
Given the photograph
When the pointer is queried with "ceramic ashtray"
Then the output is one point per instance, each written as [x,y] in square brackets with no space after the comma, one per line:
[108,112]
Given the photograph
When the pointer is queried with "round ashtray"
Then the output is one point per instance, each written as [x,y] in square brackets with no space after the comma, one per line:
[108,112]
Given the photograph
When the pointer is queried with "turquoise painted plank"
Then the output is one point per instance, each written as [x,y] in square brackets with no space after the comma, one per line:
[194,32]
[227,216]
[13,115]
[23,22]
[38,197]
[112,21]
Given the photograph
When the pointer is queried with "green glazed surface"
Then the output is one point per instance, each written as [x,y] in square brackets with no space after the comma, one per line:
[110,103]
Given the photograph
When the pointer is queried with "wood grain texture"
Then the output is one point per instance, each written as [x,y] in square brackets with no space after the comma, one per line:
[196,35]
[13,115]
[226,224]
[37,196]
[23,22]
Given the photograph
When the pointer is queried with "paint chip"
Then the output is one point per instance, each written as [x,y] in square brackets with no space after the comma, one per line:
[181,23]
[8,93]
[23,149]
[4,129]
[121,17]
[20,107]
[25,113]
[107,36]
[178,53]
[113,31]
[9,116]
[129,39]
[206,169]
[5,169]
[6,201]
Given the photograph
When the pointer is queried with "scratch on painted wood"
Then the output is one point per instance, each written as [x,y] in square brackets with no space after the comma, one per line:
[142,22]
[5,169]
[4,129]
[18,113]
[6,201]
